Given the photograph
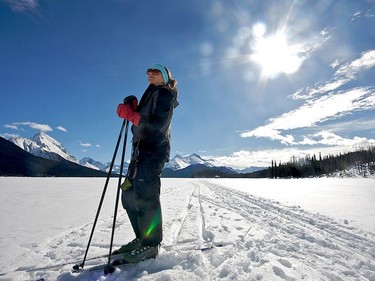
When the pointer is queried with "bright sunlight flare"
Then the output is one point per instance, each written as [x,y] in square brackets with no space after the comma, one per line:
[273,53]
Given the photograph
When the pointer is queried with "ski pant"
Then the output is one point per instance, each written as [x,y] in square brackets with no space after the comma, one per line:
[142,200]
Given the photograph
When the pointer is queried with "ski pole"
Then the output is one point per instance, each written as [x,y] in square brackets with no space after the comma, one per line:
[77,266]
[118,192]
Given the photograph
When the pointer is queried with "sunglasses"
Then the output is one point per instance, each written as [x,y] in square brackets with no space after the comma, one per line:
[153,71]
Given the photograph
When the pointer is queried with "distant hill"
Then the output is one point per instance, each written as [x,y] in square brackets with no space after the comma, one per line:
[14,161]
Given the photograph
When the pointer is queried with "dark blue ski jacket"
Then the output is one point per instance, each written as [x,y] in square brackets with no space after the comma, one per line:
[153,134]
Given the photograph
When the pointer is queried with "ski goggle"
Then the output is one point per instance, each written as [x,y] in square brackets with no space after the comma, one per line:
[153,71]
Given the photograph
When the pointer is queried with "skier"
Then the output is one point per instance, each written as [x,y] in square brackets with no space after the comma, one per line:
[150,150]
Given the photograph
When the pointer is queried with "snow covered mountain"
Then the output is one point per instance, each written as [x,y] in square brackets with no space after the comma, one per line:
[44,146]
[91,163]
[180,162]
[178,167]
[250,169]
[17,162]
[194,166]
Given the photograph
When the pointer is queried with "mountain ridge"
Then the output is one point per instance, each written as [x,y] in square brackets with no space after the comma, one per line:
[15,161]
[44,146]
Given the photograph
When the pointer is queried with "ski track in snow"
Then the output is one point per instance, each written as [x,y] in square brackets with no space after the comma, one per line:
[256,238]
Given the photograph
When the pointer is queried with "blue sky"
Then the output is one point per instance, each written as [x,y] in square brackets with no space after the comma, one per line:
[258,80]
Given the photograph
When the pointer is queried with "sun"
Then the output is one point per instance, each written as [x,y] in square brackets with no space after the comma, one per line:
[273,53]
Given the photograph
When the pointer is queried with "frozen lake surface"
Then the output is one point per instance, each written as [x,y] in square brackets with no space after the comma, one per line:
[305,229]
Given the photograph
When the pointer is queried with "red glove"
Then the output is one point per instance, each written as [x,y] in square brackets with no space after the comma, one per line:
[125,111]
[132,101]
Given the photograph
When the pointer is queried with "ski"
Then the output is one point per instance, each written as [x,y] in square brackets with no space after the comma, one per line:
[76,268]
[109,269]
[102,267]
[187,247]
[59,265]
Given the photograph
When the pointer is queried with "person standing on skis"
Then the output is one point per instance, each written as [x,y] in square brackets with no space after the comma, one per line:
[151,130]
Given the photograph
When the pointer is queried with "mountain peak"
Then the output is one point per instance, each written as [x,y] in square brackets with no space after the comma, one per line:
[42,137]
[194,155]
[179,162]
[91,163]
[44,146]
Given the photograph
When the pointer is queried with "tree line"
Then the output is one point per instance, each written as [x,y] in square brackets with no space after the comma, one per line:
[362,160]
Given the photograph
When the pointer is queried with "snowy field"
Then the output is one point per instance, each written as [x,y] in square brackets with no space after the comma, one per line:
[310,229]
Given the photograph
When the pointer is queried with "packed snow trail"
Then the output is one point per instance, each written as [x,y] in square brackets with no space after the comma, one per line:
[259,239]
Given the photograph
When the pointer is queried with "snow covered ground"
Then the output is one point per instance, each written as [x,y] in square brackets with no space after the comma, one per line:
[310,229]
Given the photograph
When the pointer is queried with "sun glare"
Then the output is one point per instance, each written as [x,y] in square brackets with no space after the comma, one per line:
[273,54]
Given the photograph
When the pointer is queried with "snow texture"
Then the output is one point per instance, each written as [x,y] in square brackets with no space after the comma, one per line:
[266,229]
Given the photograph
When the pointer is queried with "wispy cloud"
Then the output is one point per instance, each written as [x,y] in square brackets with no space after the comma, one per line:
[360,14]
[62,129]
[322,103]
[332,106]
[33,125]
[85,144]
[331,139]
[20,6]
[343,75]
[11,126]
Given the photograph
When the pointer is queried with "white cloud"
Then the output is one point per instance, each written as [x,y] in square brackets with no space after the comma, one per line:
[33,125]
[323,103]
[343,75]
[332,139]
[89,145]
[350,70]
[308,141]
[60,128]
[244,159]
[11,126]
[335,63]
[262,158]
[85,144]
[315,112]
[359,14]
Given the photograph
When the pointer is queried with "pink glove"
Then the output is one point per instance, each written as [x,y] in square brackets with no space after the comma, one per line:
[126,112]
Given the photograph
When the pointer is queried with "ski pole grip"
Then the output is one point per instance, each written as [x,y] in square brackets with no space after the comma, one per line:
[132,101]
